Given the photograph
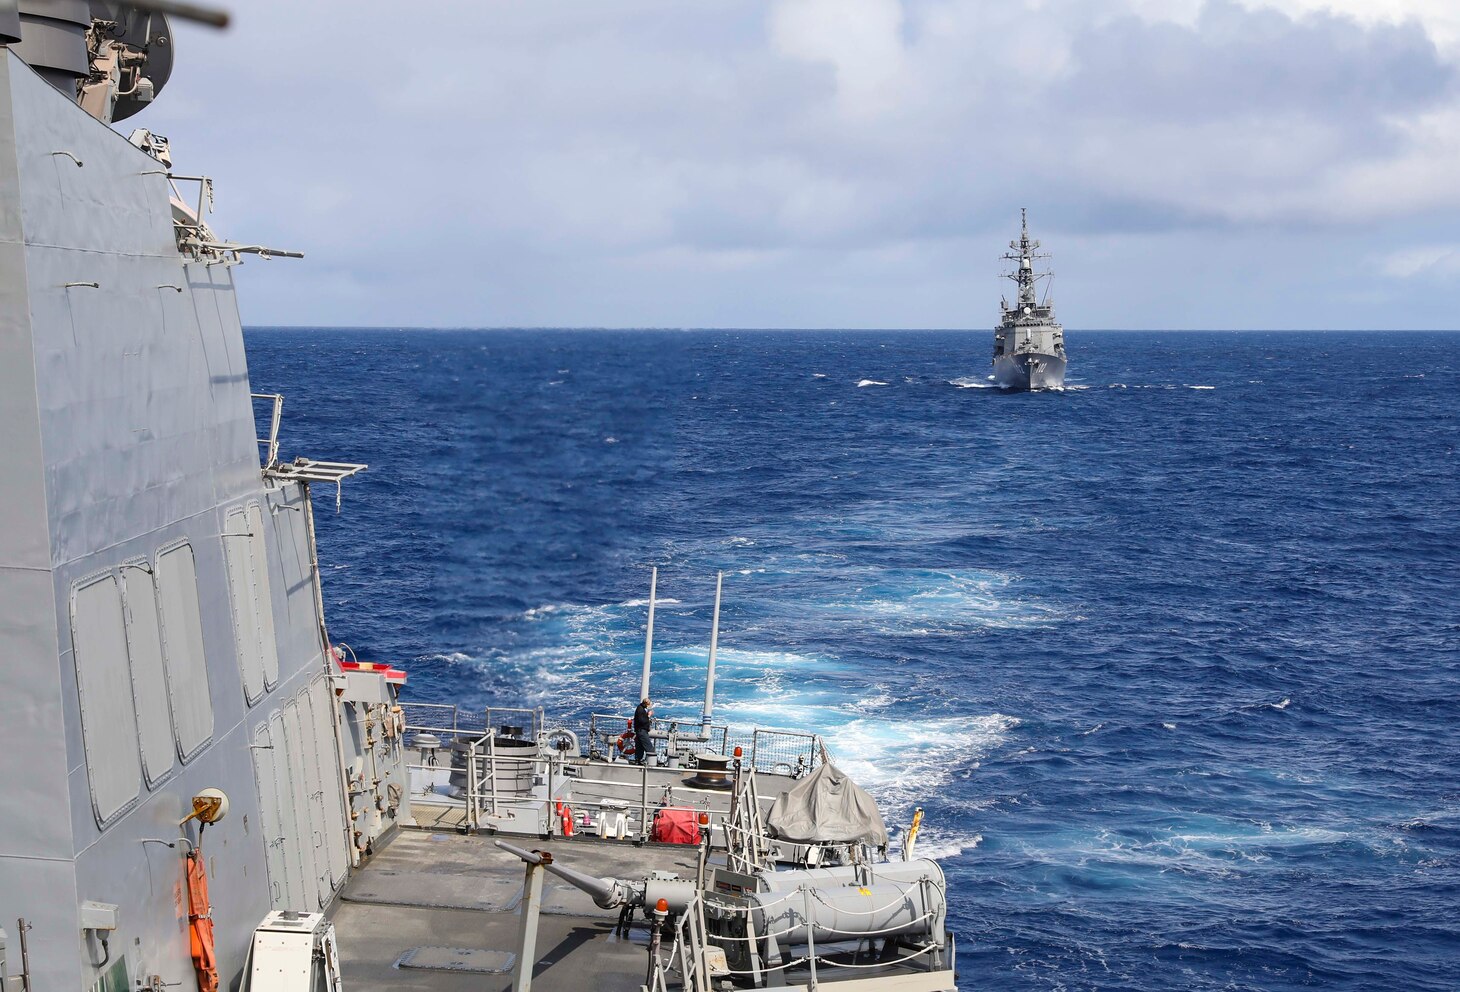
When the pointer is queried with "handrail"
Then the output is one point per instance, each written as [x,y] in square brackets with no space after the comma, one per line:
[691,943]
[883,964]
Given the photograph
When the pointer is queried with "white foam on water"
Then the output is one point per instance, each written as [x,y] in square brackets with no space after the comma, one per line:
[869,704]
[610,440]
[907,760]
[658,601]
[1287,701]
[1201,387]
[451,658]
[969,383]
[934,844]
[903,602]
[818,375]
[1169,726]
[540,612]
[871,382]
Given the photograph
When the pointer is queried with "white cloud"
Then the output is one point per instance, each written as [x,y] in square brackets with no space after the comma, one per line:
[860,39]
[814,162]
[1433,261]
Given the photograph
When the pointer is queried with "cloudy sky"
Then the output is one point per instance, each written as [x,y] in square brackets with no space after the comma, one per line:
[831,163]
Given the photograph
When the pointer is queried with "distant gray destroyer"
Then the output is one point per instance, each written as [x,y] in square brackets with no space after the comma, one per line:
[1029,345]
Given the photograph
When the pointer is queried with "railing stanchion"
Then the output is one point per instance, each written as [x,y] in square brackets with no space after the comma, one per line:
[810,935]
[644,798]
[471,786]
[492,760]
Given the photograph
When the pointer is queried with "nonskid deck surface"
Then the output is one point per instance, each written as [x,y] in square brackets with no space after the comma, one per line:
[435,910]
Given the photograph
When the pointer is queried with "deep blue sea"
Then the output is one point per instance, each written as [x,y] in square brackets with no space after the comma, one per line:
[1171,658]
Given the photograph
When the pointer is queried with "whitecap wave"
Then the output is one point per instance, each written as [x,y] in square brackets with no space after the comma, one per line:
[871,382]
[450,657]
[971,383]
[905,762]
[539,612]
[933,844]
[918,602]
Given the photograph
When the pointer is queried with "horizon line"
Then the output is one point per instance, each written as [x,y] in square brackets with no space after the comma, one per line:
[839,330]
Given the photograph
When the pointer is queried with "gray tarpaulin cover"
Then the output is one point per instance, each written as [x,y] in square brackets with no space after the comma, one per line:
[827,807]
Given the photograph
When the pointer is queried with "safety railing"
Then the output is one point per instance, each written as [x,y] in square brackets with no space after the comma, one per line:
[691,955]
[785,752]
[605,729]
[454,721]
[491,780]
[484,779]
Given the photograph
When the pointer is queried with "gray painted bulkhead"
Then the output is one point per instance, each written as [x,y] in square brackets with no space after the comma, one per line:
[128,430]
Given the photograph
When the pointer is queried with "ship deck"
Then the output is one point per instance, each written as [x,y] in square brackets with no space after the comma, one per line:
[438,911]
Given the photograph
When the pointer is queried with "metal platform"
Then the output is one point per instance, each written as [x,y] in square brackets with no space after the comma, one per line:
[389,940]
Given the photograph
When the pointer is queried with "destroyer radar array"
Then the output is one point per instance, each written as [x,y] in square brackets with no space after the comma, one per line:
[1029,345]
[203,790]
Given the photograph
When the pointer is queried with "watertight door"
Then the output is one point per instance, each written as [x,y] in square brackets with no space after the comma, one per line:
[266,782]
[243,595]
[264,598]
[309,762]
[299,790]
[336,841]
[284,765]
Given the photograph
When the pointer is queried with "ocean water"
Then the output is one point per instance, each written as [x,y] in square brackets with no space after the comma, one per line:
[1171,658]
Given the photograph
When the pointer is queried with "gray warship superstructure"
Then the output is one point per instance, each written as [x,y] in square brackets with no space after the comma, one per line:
[202,790]
[1029,345]
[161,632]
